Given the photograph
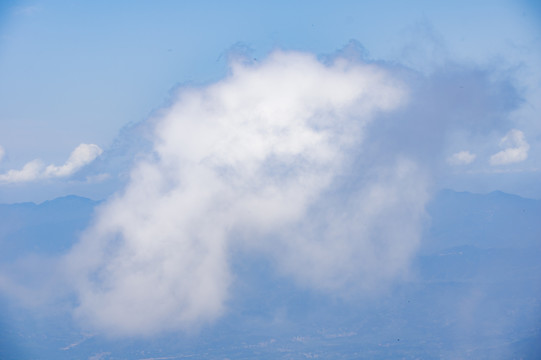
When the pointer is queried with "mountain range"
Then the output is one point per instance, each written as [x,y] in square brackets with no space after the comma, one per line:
[474,293]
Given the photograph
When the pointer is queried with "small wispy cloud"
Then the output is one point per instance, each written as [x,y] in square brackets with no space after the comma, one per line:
[2,153]
[83,155]
[515,149]
[461,158]
[30,171]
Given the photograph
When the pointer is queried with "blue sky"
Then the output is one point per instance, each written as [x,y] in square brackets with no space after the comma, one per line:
[78,72]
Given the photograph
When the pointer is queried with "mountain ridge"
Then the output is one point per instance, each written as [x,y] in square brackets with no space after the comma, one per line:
[474,294]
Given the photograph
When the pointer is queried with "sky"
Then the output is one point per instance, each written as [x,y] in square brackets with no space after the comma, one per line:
[81,73]
[313,132]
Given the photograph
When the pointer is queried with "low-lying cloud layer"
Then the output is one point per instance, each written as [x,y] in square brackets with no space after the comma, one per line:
[36,170]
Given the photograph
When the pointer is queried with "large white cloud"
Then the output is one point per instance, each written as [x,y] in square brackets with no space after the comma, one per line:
[515,149]
[252,161]
[35,169]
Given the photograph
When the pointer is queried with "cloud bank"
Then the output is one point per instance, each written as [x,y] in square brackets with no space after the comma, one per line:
[252,161]
[35,170]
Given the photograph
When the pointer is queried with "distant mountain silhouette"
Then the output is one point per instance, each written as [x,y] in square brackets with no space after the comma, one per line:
[473,293]
[47,228]
[495,220]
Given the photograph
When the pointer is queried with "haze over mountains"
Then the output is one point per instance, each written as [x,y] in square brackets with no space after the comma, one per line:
[474,291]
[270,178]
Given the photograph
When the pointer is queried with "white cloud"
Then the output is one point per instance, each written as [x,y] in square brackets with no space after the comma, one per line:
[30,171]
[365,238]
[515,149]
[461,158]
[81,156]
[2,153]
[255,154]
[35,169]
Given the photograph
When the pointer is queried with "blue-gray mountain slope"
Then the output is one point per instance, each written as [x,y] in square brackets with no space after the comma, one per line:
[475,293]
